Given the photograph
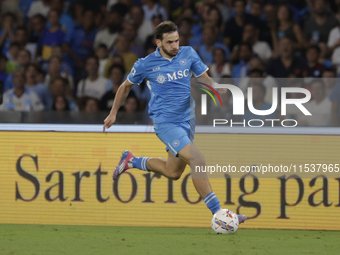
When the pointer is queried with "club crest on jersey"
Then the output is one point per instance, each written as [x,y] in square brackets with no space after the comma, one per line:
[183,62]
[161,79]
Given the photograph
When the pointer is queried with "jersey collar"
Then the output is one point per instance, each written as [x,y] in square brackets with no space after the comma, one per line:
[157,53]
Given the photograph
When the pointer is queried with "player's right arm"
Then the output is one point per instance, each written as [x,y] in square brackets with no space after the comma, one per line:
[136,76]
[121,95]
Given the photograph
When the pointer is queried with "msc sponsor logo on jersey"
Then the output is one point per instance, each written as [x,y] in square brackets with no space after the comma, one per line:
[173,76]
[178,75]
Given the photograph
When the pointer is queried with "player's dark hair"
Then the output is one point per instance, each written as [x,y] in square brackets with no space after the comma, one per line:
[165,27]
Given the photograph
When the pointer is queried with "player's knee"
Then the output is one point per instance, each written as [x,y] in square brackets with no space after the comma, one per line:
[175,175]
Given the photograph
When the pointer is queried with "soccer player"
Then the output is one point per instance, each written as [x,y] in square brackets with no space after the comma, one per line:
[167,72]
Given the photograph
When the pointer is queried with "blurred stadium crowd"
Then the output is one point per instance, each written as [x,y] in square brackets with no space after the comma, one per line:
[72,55]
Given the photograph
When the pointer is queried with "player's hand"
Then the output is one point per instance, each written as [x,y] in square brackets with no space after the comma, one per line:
[222,91]
[109,121]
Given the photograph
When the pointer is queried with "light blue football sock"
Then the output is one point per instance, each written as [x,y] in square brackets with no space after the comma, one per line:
[212,202]
[140,163]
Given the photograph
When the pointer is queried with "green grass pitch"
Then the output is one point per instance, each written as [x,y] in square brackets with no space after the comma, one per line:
[92,240]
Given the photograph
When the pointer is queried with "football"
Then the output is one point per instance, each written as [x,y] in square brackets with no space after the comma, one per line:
[225,221]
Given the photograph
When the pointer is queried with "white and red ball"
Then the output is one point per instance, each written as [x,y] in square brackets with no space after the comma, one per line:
[225,221]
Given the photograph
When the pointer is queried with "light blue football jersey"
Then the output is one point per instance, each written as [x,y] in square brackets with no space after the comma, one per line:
[169,83]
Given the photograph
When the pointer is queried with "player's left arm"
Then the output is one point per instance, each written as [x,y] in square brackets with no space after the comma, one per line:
[206,75]
[200,69]
[207,78]
[210,81]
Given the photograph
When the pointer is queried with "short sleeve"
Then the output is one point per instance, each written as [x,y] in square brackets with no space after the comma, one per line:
[197,66]
[137,73]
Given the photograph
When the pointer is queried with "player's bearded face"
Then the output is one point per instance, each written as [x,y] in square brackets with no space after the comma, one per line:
[170,44]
